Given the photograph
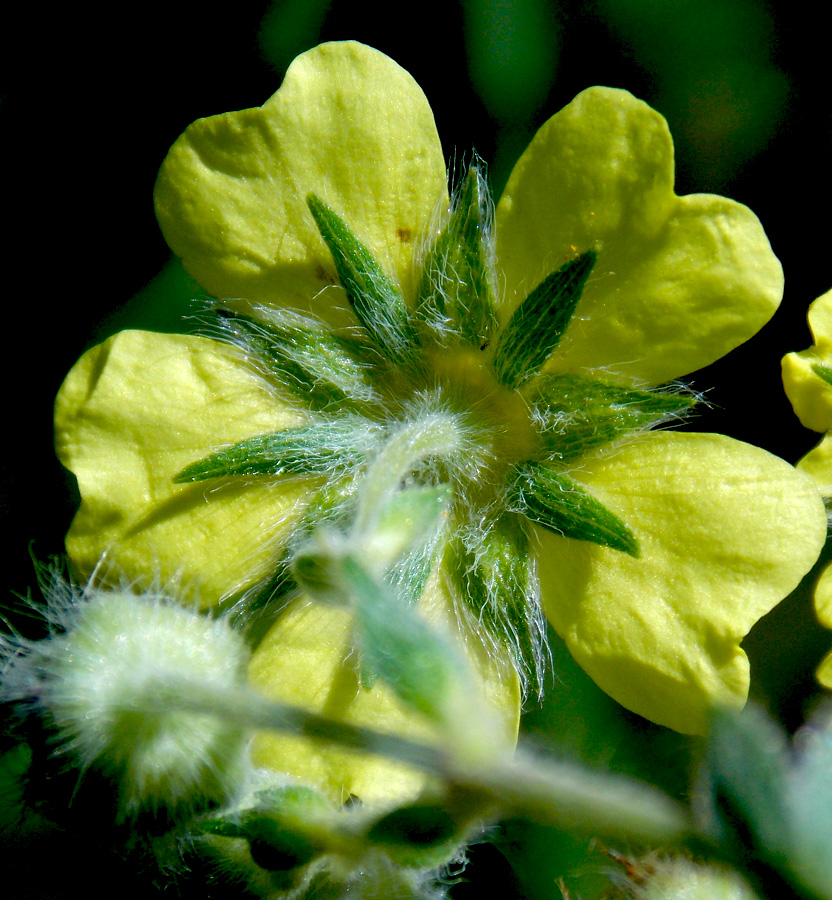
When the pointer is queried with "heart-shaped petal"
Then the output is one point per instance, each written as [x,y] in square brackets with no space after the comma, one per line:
[725,531]
[130,415]
[811,394]
[347,124]
[679,281]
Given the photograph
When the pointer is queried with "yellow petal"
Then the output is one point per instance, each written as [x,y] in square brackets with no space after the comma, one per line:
[810,395]
[307,660]
[725,531]
[817,464]
[130,415]
[823,607]
[348,124]
[679,281]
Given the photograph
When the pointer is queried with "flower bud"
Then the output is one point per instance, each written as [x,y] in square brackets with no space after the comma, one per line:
[109,678]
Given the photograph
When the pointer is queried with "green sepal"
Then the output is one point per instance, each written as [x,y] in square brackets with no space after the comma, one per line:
[397,645]
[332,505]
[318,368]
[287,829]
[377,302]
[422,835]
[456,294]
[824,372]
[576,413]
[538,324]
[260,608]
[552,499]
[320,449]
[494,577]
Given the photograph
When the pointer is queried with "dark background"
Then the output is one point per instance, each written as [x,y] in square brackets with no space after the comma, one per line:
[90,103]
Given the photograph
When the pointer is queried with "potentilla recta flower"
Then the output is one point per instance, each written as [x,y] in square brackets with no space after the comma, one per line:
[807,377]
[375,331]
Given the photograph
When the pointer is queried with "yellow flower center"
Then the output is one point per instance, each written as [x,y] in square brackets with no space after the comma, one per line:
[499,415]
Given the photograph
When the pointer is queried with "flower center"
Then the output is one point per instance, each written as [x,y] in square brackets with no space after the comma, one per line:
[500,415]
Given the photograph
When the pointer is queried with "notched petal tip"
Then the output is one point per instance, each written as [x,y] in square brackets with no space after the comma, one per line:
[601,172]
[231,195]
[132,414]
[726,532]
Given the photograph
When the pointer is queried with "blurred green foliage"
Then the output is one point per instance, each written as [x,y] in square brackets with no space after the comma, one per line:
[715,76]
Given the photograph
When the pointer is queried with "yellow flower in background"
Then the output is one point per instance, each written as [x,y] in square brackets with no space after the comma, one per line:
[517,364]
[807,377]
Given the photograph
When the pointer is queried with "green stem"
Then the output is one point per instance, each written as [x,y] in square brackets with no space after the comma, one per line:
[244,707]
[435,434]
[552,792]
[567,795]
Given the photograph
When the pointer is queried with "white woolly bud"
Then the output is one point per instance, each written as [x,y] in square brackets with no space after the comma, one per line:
[659,876]
[108,678]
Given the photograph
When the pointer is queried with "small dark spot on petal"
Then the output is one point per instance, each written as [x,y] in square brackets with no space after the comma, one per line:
[403,234]
[322,274]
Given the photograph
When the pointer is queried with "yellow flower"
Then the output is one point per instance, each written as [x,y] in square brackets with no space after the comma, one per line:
[807,377]
[651,553]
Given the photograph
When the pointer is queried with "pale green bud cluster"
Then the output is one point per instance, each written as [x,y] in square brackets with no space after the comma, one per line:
[283,837]
[109,680]
[153,695]
[667,877]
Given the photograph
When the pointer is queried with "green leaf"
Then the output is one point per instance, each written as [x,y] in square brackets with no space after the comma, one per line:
[286,828]
[420,824]
[14,765]
[768,804]
[747,804]
[456,294]
[746,769]
[554,500]
[811,803]
[411,527]
[315,366]
[377,301]
[408,520]
[576,413]
[538,324]
[307,450]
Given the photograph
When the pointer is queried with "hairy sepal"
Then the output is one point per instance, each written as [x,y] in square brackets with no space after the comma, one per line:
[557,502]
[317,368]
[323,448]
[538,324]
[103,680]
[377,301]
[578,413]
[495,578]
[456,289]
